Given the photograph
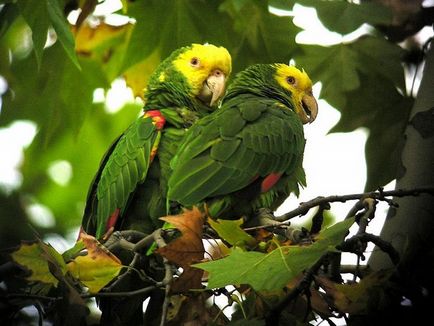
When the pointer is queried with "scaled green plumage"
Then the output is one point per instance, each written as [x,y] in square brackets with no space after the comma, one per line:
[248,154]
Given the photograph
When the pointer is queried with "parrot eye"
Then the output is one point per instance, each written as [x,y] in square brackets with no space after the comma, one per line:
[290,80]
[194,62]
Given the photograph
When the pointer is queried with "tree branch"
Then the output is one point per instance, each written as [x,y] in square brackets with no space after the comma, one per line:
[350,245]
[378,195]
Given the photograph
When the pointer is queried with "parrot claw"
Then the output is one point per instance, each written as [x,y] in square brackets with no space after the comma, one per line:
[262,217]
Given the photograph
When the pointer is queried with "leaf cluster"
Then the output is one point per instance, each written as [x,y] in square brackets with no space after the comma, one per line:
[270,273]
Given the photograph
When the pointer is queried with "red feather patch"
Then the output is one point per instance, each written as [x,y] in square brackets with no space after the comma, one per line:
[113,219]
[269,181]
[157,118]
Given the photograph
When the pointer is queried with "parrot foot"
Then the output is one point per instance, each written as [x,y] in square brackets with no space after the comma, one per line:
[295,235]
[262,217]
[265,218]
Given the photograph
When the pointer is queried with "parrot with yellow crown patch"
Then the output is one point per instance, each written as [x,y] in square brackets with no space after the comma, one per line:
[247,154]
[128,191]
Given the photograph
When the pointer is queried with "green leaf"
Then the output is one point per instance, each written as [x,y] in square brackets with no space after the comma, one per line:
[334,234]
[231,232]
[37,257]
[57,96]
[258,36]
[384,145]
[179,23]
[336,67]
[280,265]
[360,298]
[345,17]
[8,15]
[36,16]
[339,67]
[39,15]
[377,56]
[384,111]
[283,4]
[246,28]
[364,80]
[61,26]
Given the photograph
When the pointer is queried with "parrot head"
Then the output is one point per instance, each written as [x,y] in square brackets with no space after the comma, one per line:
[298,84]
[287,84]
[195,72]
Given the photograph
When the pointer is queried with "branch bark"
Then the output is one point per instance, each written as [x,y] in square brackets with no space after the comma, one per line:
[379,195]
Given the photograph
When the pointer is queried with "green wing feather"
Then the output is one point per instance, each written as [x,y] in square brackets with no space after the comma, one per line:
[249,137]
[125,166]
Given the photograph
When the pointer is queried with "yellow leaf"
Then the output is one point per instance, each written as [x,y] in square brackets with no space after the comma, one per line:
[36,257]
[91,38]
[97,268]
[137,76]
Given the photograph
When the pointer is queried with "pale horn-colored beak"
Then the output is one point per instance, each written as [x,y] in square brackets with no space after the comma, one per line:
[310,108]
[214,87]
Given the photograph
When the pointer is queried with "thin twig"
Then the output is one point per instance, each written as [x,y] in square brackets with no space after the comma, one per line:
[272,317]
[164,283]
[378,195]
[147,241]
[359,271]
[168,277]
[273,226]
[122,294]
[31,296]
[351,245]
[131,268]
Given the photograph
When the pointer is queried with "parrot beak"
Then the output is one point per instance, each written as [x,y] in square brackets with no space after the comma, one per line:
[213,87]
[310,108]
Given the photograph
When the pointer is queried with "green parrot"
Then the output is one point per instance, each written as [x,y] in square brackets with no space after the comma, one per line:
[128,191]
[247,154]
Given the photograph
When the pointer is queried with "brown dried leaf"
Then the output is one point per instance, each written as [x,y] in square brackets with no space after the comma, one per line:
[187,249]
[319,303]
[339,298]
[354,298]
[193,310]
